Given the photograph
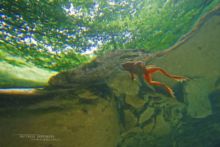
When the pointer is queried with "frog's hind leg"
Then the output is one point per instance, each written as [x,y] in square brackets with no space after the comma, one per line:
[148,78]
[158,69]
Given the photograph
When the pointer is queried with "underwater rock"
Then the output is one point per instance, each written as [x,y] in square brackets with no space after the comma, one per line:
[135,102]
[161,127]
[137,138]
[197,98]
[146,115]
[122,84]
[130,119]
[174,113]
[87,97]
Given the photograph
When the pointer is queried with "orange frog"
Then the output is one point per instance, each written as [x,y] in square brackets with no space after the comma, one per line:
[138,68]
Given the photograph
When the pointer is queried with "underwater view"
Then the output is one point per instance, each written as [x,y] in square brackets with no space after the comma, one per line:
[110,73]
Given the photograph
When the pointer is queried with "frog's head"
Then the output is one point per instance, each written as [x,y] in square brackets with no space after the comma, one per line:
[137,66]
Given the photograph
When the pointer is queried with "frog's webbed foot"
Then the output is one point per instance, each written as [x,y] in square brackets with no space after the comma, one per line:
[180,78]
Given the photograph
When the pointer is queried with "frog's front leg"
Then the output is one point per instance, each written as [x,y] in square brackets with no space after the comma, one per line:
[132,76]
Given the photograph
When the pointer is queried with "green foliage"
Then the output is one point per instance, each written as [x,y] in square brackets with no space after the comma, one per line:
[54,33]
